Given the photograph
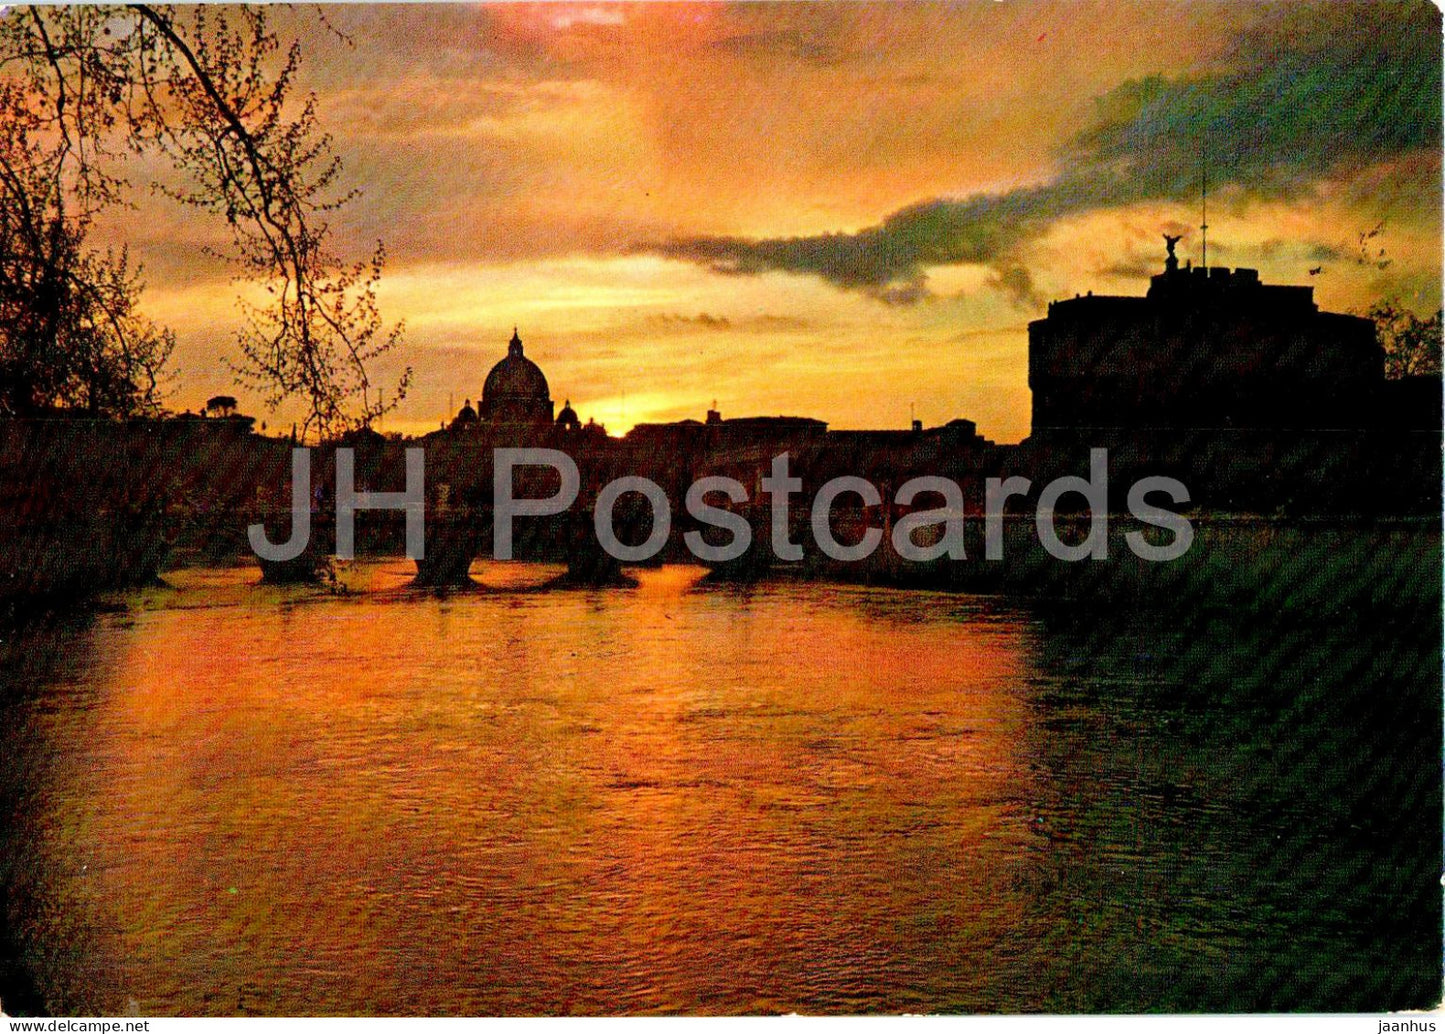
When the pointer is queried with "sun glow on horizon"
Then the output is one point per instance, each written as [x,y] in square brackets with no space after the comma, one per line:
[681,202]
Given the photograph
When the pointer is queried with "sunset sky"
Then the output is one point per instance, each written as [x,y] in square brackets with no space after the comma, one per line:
[832,210]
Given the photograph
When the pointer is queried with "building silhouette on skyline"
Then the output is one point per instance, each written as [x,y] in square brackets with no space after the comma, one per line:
[516,403]
[515,391]
[1247,390]
[1204,348]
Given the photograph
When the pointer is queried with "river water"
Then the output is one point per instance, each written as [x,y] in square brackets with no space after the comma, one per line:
[230,798]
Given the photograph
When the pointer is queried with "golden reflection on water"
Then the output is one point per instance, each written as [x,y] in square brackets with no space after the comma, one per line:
[673,798]
[232,798]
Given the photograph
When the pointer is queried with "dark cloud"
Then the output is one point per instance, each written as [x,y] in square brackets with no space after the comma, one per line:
[1016,282]
[1132,269]
[1310,89]
[887,261]
[709,321]
[705,320]
[817,35]
[768,321]
[461,42]
[810,47]
[1308,251]
[910,293]
[1307,92]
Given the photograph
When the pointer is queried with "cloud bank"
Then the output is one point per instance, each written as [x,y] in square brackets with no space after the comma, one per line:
[1304,94]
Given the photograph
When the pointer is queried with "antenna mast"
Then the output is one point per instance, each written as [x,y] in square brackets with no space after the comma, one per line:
[1203,206]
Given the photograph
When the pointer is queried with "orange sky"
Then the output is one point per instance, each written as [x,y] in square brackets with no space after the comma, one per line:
[578,169]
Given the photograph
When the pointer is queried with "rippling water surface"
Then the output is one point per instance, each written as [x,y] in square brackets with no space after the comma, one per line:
[687,798]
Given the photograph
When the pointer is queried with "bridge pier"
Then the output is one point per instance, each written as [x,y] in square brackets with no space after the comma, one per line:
[451,546]
[755,564]
[596,569]
[588,564]
[312,566]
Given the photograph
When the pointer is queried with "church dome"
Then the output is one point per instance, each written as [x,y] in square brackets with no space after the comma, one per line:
[465,416]
[515,377]
[568,417]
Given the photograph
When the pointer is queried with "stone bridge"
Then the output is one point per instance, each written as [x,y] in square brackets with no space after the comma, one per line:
[456,537]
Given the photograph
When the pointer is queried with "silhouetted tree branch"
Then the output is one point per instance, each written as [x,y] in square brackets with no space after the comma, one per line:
[1411,344]
[212,91]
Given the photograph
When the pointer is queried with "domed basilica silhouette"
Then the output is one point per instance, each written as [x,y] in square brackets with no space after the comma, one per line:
[516,390]
[517,400]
